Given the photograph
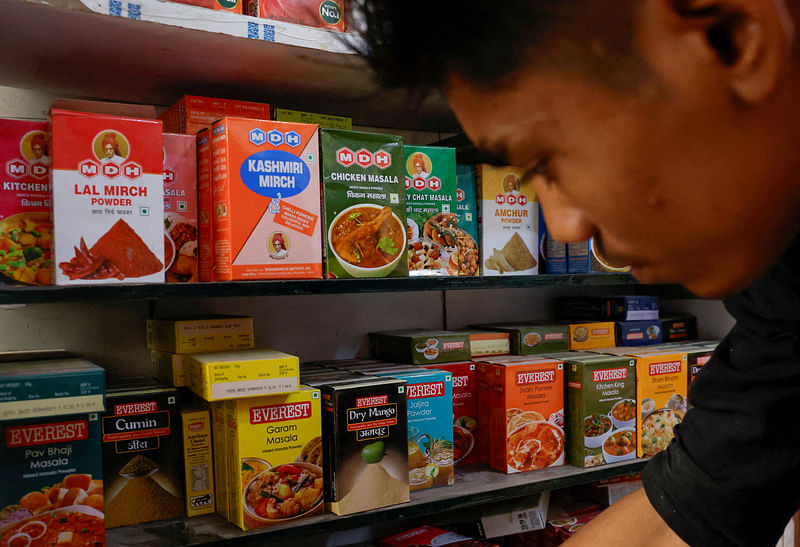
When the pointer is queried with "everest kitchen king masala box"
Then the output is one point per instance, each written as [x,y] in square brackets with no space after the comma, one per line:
[26,224]
[266,200]
[108,199]
[365,204]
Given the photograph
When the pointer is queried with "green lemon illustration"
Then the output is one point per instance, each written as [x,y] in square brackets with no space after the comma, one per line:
[373,452]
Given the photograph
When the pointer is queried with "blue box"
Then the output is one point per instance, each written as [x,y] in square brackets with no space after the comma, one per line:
[638,333]
[607,308]
[552,253]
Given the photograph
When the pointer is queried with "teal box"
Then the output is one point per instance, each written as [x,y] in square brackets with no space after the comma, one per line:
[429,394]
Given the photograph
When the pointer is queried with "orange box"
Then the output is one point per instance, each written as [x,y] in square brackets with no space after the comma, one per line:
[180,207]
[526,414]
[193,113]
[583,336]
[205,226]
[266,199]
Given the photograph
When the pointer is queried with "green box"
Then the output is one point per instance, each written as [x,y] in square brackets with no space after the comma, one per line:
[420,347]
[532,338]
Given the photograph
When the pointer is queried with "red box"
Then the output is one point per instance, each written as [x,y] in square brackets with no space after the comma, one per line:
[205,221]
[234,6]
[465,410]
[180,207]
[192,113]
[328,14]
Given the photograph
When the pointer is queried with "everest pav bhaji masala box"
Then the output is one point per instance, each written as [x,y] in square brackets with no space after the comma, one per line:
[365,204]
[266,200]
[661,386]
[26,224]
[108,199]
[275,458]
[50,446]
[180,207]
[365,446]
[510,221]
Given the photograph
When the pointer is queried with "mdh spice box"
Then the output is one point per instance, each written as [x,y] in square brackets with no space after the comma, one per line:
[52,474]
[467,207]
[205,216]
[465,410]
[266,200]
[509,214]
[142,456]
[192,114]
[275,458]
[26,224]
[180,208]
[601,409]
[365,204]
[434,237]
[420,346]
[108,199]
[328,14]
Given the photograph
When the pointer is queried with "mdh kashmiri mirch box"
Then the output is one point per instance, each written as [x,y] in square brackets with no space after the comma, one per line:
[50,446]
[180,207]
[26,224]
[108,199]
[266,200]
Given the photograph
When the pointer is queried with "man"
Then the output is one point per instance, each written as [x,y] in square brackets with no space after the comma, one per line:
[666,129]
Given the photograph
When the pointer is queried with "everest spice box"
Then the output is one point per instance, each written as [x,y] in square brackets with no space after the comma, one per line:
[465,409]
[191,113]
[487,343]
[212,333]
[420,347]
[678,328]
[365,204]
[607,308]
[142,456]
[638,333]
[661,384]
[584,336]
[601,409]
[108,199]
[531,339]
[431,214]
[198,464]
[180,207]
[266,200]
[365,445]
[274,458]
[510,216]
[51,474]
[241,373]
[467,206]
[26,224]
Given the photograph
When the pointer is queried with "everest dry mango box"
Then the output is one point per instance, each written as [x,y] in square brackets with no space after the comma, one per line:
[108,173]
[244,373]
[266,200]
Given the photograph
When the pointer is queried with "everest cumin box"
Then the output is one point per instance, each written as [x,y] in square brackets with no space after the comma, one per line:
[212,333]
[420,347]
[244,373]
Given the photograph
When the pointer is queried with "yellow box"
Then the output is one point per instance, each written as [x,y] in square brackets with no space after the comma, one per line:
[198,461]
[219,435]
[591,335]
[211,333]
[274,458]
[222,375]
[168,367]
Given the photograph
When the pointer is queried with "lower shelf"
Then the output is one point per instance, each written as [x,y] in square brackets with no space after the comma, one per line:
[475,487]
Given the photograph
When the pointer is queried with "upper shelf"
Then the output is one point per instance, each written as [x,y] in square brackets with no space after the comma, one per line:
[21,294]
[153,52]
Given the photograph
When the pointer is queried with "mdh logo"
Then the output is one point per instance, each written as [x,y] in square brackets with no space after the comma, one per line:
[364,158]
[511,199]
[275,137]
[18,168]
[419,184]
[169,176]
[91,168]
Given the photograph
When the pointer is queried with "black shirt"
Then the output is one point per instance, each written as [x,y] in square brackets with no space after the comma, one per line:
[732,475]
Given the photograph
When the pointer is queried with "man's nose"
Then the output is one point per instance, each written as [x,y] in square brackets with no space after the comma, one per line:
[565,222]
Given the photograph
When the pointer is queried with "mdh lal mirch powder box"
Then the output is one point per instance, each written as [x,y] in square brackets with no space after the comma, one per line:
[266,200]
[108,199]
[26,224]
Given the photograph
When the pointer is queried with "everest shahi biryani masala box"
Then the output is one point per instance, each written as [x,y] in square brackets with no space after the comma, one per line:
[266,200]
[108,199]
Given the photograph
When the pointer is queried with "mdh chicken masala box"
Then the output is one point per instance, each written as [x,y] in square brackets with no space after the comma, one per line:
[26,224]
[365,204]
[266,200]
[180,207]
[108,199]
[510,221]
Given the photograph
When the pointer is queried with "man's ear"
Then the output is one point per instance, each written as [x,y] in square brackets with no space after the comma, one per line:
[751,40]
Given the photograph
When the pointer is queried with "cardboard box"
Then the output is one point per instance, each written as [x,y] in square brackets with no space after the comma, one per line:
[192,113]
[275,458]
[532,338]
[467,207]
[241,373]
[419,346]
[484,343]
[327,121]
[583,336]
[328,14]
[201,334]
[607,308]
[108,199]
[205,200]
[428,536]
[198,461]
[363,187]
[510,216]
[638,333]
[26,224]
[266,200]
[465,410]
[524,516]
[180,207]
[168,368]
[219,438]
[678,328]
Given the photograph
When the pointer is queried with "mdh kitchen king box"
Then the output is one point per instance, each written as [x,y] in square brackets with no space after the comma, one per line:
[365,204]
[180,207]
[266,200]
[52,474]
[191,113]
[275,458]
[26,223]
[510,222]
[108,199]
[142,455]
[328,14]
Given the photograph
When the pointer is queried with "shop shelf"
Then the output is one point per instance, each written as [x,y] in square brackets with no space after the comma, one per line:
[475,487]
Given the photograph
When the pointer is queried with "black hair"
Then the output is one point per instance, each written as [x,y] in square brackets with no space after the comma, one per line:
[421,44]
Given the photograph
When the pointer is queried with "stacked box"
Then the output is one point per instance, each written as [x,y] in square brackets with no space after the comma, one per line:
[205,220]
[643,332]
[420,346]
[586,335]
[483,343]
[465,410]
[191,113]
[532,338]
[180,207]
[607,308]
[679,328]
[326,121]
[552,251]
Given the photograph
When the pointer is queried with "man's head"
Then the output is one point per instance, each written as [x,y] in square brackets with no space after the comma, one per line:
[666,128]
